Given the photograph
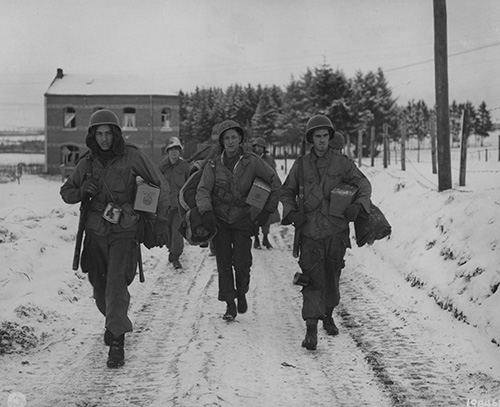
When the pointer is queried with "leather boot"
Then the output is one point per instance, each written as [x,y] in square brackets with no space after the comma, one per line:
[256,243]
[231,313]
[116,355]
[242,304]
[311,339]
[328,323]
[266,243]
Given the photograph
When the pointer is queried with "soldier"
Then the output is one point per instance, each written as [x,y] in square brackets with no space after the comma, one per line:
[176,171]
[106,178]
[324,235]
[221,200]
[259,148]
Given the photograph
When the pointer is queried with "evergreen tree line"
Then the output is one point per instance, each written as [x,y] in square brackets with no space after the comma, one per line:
[352,104]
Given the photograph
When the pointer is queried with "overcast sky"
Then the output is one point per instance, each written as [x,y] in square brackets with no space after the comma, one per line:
[218,42]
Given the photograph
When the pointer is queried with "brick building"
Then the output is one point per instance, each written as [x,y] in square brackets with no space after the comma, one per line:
[148,112]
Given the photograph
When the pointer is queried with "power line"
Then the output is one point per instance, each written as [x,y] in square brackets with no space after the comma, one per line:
[495,44]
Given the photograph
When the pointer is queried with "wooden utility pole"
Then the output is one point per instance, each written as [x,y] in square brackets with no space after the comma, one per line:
[372,145]
[463,150]
[442,103]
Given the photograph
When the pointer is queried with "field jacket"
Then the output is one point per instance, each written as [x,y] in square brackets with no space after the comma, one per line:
[116,184]
[339,169]
[176,175]
[225,191]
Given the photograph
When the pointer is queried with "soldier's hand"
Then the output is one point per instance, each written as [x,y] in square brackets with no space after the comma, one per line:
[89,188]
[352,211]
[209,221]
[298,218]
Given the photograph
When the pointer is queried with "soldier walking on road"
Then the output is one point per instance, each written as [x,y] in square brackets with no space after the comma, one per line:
[176,171]
[324,234]
[106,178]
[259,148]
[221,200]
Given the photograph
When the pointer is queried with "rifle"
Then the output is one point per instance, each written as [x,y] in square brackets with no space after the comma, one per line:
[139,263]
[83,219]
[297,238]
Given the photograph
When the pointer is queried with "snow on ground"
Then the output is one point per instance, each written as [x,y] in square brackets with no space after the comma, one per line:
[418,317]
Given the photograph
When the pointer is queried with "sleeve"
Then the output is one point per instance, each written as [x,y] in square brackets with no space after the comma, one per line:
[205,188]
[290,190]
[354,176]
[268,174]
[71,190]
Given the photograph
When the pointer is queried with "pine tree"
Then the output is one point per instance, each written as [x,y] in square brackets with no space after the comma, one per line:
[483,122]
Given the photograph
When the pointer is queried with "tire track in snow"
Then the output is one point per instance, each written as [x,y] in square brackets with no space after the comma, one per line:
[151,352]
[336,373]
[413,365]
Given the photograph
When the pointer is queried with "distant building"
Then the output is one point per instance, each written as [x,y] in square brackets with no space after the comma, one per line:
[149,114]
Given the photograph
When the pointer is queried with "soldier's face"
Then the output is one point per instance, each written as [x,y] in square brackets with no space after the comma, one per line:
[258,149]
[104,137]
[174,153]
[320,138]
[231,140]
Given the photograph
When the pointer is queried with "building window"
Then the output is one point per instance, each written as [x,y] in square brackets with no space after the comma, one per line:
[129,118]
[166,117]
[69,118]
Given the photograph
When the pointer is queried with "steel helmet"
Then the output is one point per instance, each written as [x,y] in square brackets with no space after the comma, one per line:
[173,142]
[226,125]
[259,141]
[337,141]
[104,116]
[316,122]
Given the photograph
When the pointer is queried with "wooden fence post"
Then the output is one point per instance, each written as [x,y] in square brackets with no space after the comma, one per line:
[403,147]
[372,146]
[360,146]
[463,152]
[433,145]
[385,143]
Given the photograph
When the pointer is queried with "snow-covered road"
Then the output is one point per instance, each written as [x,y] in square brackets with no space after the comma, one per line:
[396,346]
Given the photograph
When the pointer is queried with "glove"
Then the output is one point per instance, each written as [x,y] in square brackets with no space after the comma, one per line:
[297,218]
[262,218]
[209,221]
[89,188]
[352,211]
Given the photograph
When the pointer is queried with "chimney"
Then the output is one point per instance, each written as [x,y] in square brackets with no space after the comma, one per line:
[60,73]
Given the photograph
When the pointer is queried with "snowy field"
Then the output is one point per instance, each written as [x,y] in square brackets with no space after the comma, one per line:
[14,158]
[419,314]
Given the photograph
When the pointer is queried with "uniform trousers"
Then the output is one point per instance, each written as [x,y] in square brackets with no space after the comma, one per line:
[321,262]
[233,244]
[111,263]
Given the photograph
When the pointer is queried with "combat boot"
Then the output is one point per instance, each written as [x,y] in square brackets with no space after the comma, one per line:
[230,311]
[242,304]
[266,243]
[116,355]
[256,243]
[311,340]
[329,326]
